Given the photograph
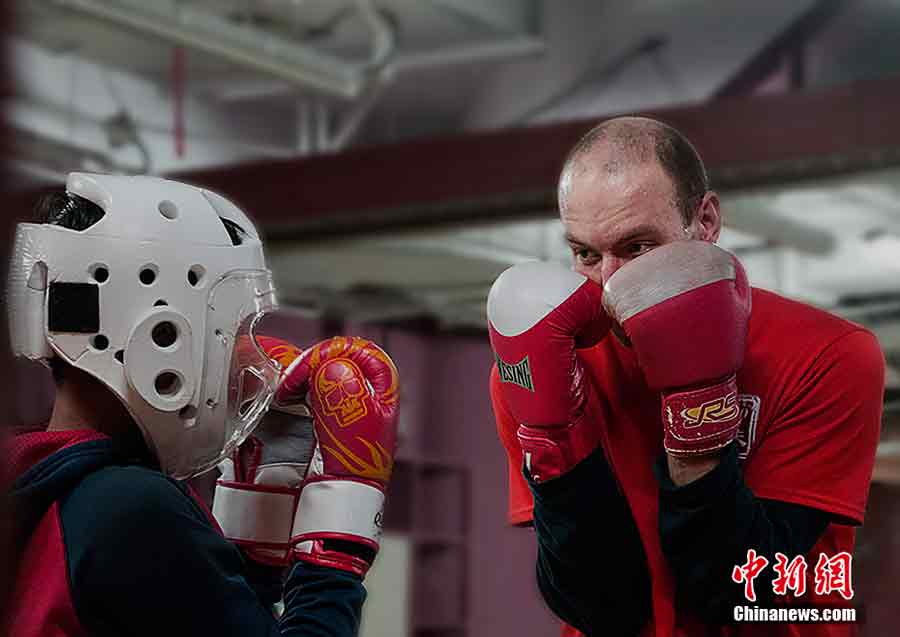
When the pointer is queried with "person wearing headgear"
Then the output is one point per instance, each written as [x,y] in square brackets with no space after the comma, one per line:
[146,298]
[665,421]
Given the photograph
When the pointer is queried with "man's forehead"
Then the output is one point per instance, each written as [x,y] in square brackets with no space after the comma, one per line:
[601,236]
[603,169]
[603,186]
[602,211]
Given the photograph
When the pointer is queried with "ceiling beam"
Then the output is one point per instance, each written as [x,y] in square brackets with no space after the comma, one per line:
[790,44]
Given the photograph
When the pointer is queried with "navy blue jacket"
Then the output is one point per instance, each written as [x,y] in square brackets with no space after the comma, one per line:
[111,546]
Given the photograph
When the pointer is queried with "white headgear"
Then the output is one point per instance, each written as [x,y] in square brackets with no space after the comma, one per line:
[151,300]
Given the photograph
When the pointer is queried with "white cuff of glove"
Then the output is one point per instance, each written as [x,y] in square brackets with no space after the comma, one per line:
[255,515]
[339,508]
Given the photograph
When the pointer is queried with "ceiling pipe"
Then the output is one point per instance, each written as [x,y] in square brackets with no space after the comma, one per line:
[512,48]
[508,48]
[352,120]
[384,38]
[297,64]
[292,62]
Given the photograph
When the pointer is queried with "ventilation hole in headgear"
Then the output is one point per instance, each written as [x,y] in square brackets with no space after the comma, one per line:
[100,342]
[99,272]
[235,232]
[168,209]
[159,303]
[167,384]
[120,356]
[147,275]
[164,334]
[196,275]
[37,279]
[188,412]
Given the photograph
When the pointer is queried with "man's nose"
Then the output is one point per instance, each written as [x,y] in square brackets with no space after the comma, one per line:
[608,266]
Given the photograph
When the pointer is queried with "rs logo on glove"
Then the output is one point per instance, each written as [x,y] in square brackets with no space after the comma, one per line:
[719,410]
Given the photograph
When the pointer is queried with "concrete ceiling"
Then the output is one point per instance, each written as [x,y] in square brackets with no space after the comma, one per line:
[446,65]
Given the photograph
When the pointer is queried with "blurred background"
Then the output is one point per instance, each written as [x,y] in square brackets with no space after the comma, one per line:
[399,154]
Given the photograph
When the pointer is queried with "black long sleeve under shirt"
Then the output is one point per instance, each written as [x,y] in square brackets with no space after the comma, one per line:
[591,565]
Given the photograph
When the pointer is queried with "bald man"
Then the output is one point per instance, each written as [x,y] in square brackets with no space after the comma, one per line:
[662,418]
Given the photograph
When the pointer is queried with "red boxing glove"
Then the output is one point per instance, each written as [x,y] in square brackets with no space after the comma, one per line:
[685,306]
[351,387]
[538,313]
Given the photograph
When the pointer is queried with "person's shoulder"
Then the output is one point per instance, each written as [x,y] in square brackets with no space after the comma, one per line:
[138,481]
[791,325]
[126,500]
[135,541]
[797,343]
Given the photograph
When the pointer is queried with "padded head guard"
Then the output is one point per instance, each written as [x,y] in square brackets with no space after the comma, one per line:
[148,287]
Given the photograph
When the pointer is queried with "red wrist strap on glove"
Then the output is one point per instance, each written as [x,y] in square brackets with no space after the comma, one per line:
[700,421]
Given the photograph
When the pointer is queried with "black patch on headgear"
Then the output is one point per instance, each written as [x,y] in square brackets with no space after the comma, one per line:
[74,307]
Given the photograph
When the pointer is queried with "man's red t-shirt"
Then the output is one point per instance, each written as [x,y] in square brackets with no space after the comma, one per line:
[811,394]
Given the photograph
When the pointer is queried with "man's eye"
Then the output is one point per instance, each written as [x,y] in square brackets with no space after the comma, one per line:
[637,249]
[584,255]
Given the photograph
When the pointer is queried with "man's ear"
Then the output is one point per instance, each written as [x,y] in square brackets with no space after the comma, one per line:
[708,219]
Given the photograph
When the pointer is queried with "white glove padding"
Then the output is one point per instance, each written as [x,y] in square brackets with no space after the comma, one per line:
[257,494]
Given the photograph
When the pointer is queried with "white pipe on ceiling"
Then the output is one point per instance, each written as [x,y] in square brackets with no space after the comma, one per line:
[246,46]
